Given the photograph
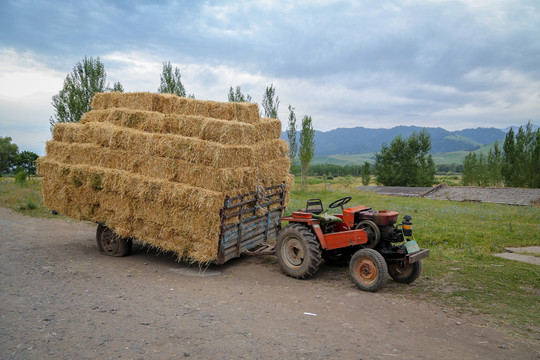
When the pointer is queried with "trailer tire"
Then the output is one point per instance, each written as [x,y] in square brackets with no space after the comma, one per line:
[368,270]
[298,251]
[99,230]
[112,244]
[404,273]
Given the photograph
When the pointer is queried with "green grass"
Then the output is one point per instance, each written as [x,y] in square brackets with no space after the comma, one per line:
[339,159]
[26,198]
[462,272]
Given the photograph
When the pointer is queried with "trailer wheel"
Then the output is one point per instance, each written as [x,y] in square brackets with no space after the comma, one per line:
[99,230]
[298,251]
[403,272]
[368,270]
[373,232]
[112,244]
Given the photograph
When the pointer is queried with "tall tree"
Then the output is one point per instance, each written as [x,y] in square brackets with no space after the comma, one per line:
[270,102]
[117,87]
[519,164]
[494,164]
[366,173]
[8,155]
[509,159]
[237,96]
[87,79]
[406,162]
[536,161]
[307,147]
[291,134]
[26,160]
[170,81]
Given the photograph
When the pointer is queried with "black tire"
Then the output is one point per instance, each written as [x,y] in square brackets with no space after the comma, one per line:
[112,244]
[368,270]
[403,272]
[99,230]
[373,232]
[298,251]
[336,257]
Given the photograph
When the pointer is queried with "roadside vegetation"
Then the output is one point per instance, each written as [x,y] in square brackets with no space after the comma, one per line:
[24,195]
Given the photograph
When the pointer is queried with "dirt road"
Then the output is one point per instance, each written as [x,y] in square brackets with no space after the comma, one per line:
[61,299]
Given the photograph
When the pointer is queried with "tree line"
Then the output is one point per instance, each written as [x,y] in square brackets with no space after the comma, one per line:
[517,165]
[13,162]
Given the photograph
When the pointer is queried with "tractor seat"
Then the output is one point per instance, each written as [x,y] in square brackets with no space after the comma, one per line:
[314,206]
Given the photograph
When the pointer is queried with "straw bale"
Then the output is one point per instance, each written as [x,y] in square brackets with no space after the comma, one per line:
[192,150]
[204,128]
[132,186]
[117,198]
[172,104]
[268,129]
[232,181]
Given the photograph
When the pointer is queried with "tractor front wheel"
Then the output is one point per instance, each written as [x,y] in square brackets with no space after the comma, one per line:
[112,244]
[298,251]
[403,272]
[368,270]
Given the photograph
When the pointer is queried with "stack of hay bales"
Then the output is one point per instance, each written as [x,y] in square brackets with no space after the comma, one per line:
[158,167]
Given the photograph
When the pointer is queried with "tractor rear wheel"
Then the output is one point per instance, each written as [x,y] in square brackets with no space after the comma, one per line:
[368,270]
[112,244]
[298,251]
[403,272]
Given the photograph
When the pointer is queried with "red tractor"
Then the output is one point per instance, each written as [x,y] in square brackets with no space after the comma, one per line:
[370,241]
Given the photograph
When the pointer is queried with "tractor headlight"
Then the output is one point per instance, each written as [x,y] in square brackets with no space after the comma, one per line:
[406,225]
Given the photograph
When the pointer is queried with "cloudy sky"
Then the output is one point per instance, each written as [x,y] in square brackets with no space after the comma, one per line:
[452,64]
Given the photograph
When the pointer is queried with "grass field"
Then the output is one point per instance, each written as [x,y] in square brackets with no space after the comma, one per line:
[461,272]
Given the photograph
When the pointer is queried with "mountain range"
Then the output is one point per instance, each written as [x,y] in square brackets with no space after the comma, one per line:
[360,140]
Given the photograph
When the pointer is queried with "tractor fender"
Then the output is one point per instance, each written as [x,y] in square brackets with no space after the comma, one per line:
[320,235]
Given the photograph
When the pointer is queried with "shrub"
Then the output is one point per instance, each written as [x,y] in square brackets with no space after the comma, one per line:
[20,177]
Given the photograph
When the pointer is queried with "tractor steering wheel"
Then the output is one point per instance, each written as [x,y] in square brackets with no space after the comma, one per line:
[339,202]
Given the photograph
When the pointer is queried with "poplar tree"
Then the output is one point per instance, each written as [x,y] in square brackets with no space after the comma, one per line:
[171,81]
[87,78]
[237,96]
[307,148]
[270,102]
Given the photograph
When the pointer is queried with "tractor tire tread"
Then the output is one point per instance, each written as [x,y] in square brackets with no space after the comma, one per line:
[314,249]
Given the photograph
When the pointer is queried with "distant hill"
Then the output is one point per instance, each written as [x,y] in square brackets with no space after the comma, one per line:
[360,140]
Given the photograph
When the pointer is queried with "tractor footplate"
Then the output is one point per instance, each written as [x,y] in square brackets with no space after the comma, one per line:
[414,257]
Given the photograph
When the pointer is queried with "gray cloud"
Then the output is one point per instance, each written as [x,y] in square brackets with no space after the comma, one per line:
[435,62]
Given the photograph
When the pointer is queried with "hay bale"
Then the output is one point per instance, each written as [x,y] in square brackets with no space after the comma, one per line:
[232,181]
[172,104]
[116,197]
[204,128]
[192,150]
[158,167]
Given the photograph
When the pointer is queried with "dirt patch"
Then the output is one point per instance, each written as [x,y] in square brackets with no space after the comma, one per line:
[509,196]
[61,299]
